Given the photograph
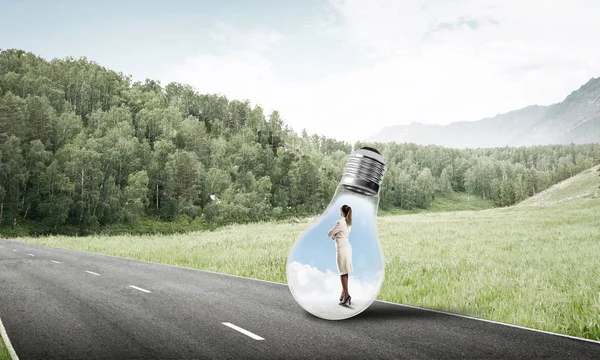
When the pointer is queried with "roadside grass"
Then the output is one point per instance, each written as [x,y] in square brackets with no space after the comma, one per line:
[533,266]
[4,354]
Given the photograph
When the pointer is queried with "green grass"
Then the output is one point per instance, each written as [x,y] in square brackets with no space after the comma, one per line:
[4,354]
[456,201]
[532,265]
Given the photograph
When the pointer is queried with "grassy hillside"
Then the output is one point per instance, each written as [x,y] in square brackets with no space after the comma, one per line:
[583,185]
[534,265]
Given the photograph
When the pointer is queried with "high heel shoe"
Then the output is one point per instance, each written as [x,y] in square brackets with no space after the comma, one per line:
[347,302]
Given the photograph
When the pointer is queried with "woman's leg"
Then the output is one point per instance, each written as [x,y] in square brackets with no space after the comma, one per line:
[345,286]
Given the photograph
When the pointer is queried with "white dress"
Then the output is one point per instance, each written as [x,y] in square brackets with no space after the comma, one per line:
[339,233]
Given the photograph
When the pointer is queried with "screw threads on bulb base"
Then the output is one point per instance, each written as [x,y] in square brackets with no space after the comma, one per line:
[364,172]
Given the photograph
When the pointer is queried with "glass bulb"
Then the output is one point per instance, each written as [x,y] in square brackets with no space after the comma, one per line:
[312,271]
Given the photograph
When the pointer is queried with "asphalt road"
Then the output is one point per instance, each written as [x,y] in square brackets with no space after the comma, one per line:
[62,304]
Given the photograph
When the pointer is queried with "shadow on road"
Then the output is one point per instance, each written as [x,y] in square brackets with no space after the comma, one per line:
[380,312]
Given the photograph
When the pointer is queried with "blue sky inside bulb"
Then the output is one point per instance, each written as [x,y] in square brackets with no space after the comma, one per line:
[312,271]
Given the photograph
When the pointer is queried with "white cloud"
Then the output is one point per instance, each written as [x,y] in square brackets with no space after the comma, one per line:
[243,71]
[233,38]
[242,75]
[432,61]
[318,292]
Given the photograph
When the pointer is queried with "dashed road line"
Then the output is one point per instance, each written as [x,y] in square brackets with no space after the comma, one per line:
[93,273]
[243,331]
[30,254]
[15,250]
[56,262]
[140,289]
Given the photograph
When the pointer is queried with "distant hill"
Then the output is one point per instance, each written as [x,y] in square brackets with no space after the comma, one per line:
[574,120]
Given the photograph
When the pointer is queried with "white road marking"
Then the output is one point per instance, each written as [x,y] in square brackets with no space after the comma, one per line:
[54,261]
[140,289]
[1,246]
[15,250]
[243,331]
[93,273]
[30,254]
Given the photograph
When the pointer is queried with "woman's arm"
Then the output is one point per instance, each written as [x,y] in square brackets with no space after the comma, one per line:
[334,230]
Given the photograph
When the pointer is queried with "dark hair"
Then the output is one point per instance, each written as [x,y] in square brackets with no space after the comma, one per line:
[347,211]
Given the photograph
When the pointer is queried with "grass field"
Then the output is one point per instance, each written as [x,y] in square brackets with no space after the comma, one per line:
[535,265]
[4,355]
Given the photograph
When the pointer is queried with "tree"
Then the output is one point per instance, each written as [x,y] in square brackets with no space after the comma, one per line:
[531,182]
[444,184]
[261,198]
[37,158]
[425,188]
[13,114]
[191,135]
[157,124]
[159,175]
[306,185]
[82,167]
[495,191]
[84,145]
[134,199]
[216,182]
[507,194]
[56,192]
[185,182]
[519,189]
[64,129]
[13,178]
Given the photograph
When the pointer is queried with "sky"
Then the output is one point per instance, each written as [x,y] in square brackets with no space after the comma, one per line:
[340,68]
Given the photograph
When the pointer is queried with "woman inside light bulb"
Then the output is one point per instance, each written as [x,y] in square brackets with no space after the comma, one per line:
[339,233]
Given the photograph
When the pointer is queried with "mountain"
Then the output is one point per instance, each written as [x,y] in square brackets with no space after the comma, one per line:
[574,120]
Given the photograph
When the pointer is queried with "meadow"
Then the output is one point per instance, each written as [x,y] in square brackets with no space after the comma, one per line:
[535,264]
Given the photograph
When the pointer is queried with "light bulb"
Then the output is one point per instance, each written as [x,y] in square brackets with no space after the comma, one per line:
[312,269]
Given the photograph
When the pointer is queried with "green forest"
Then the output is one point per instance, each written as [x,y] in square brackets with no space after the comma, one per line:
[84,149]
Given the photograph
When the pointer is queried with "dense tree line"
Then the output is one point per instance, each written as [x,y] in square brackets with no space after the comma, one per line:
[505,175]
[87,146]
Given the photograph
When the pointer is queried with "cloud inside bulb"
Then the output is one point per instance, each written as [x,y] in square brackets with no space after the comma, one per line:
[319,291]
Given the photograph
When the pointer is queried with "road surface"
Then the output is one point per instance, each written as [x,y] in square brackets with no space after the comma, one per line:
[62,304]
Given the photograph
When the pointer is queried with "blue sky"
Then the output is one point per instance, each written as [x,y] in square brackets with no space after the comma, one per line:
[143,37]
[340,68]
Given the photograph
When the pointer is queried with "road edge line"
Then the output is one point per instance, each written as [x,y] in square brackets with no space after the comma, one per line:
[11,350]
[278,283]
[492,321]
